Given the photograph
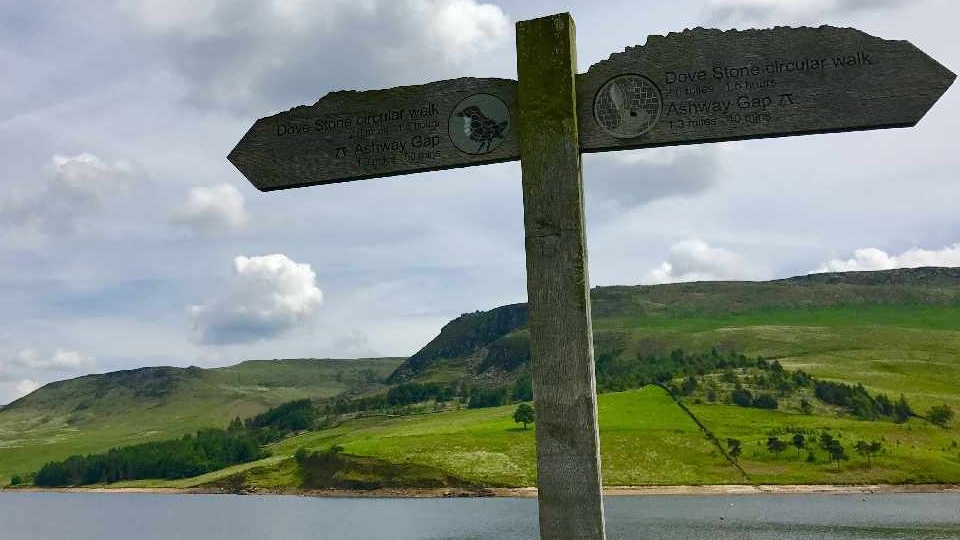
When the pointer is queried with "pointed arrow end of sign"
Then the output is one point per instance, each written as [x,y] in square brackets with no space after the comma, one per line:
[939,79]
[250,158]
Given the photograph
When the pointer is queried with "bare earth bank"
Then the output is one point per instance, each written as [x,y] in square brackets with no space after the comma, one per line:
[610,491]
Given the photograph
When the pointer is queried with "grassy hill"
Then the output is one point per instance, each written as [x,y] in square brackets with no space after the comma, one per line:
[97,412]
[896,332]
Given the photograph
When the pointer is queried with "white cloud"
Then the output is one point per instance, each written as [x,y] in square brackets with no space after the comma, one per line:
[59,360]
[763,11]
[235,54]
[26,386]
[213,209]
[32,363]
[695,260]
[78,185]
[267,296]
[875,259]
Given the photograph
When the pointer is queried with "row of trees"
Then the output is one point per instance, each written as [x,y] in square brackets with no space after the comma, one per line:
[782,383]
[191,455]
[398,398]
[827,442]
[616,373]
[860,403]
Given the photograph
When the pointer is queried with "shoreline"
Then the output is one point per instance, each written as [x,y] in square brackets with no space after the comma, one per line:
[530,492]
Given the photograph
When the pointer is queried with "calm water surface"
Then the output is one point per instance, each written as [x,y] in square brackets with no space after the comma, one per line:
[63,516]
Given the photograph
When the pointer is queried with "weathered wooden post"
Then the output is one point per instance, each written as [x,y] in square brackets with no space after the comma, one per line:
[697,86]
[558,290]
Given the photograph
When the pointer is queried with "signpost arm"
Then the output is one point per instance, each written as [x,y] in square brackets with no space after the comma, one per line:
[568,444]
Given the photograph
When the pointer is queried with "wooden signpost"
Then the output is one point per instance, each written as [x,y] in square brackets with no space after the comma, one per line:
[692,87]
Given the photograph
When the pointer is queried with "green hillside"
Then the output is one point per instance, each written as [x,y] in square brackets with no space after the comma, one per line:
[646,439]
[97,412]
[894,332]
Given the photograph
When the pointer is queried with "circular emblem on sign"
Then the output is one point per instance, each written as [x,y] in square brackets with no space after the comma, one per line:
[479,123]
[627,106]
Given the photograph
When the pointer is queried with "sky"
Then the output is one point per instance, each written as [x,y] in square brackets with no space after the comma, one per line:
[128,240]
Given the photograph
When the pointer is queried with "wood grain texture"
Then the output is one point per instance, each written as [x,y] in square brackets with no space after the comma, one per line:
[568,457]
[717,86]
[356,135]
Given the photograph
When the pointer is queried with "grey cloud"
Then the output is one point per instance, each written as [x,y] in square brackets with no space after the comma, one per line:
[764,11]
[622,181]
[251,56]
[78,185]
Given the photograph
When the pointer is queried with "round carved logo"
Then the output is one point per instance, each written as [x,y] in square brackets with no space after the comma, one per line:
[627,106]
[479,124]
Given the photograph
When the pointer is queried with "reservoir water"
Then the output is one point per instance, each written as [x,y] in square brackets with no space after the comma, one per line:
[96,516]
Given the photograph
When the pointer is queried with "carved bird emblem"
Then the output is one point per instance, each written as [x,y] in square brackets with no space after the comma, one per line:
[480,128]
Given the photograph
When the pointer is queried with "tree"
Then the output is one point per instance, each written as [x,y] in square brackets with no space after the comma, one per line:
[301,455]
[799,441]
[836,451]
[523,388]
[902,411]
[883,405]
[805,406]
[775,445]
[688,386]
[16,480]
[764,401]
[734,449]
[869,449]
[940,415]
[524,415]
[741,397]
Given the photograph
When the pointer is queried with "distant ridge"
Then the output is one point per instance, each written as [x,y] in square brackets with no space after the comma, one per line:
[926,276]
[475,343]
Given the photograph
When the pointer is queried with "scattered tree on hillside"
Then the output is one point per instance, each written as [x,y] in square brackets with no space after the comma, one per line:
[805,406]
[524,415]
[16,480]
[834,448]
[940,415]
[775,445]
[799,441]
[869,449]
[734,448]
